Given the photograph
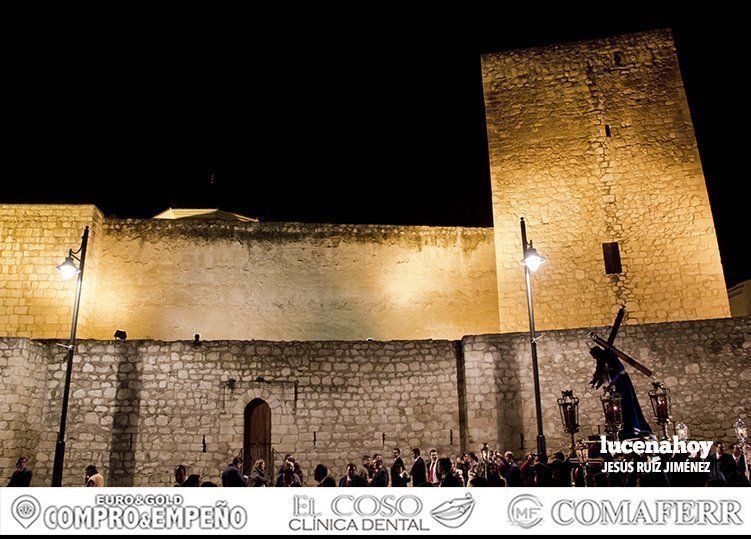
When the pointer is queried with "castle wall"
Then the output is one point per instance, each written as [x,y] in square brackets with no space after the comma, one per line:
[34,238]
[163,279]
[706,364]
[593,143]
[288,281]
[23,374]
[138,408]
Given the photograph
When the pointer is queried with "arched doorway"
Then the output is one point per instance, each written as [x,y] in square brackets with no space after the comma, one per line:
[257,435]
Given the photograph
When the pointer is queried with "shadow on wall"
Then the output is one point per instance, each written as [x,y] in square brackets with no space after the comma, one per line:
[126,418]
[509,402]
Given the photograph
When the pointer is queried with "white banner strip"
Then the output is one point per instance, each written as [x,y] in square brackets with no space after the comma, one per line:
[276,511]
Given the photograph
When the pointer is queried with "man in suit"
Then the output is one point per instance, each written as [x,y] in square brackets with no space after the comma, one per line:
[233,476]
[511,472]
[366,471]
[419,477]
[434,473]
[380,475]
[397,468]
[352,479]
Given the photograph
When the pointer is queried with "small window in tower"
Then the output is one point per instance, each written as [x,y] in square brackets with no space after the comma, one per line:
[612,254]
[608,133]
[618,58]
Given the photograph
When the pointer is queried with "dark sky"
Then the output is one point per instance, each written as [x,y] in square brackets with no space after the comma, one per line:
[343,124]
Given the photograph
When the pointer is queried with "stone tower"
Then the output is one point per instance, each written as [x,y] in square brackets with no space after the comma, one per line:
[593,143]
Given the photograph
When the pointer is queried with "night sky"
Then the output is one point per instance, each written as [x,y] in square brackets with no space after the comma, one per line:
[303,122]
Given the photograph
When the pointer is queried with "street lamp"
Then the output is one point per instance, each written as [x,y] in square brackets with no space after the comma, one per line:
[67,270]
[532,261]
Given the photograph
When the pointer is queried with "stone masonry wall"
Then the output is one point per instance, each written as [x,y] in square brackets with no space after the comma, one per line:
[706,364]
[34,238]
[138,408]
[23,366]
[593,142]
[166,279]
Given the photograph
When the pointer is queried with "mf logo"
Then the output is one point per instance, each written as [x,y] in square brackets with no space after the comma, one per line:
[525,511]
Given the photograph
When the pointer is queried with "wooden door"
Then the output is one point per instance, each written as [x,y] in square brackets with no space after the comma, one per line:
[257,439]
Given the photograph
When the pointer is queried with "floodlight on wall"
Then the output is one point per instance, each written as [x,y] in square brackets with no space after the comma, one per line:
[68,269]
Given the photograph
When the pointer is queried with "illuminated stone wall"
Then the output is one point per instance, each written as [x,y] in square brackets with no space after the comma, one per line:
[288,281]
[34,238]
[23,377]
[138,408]
[593,142]
[706,364]
[163,279]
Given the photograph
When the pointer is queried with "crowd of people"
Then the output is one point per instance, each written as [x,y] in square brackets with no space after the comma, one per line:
[726,468]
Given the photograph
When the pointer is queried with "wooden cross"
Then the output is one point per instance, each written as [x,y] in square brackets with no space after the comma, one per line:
[609,346]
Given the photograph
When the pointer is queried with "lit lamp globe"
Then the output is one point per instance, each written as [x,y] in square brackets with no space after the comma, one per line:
[68,269]
[532,259]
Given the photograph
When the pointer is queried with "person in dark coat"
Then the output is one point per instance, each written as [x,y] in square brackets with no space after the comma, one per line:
[289,479]
[561,470]
[512,473]
[232,476]
[22,475]
[258,476]
[322,478]
[464,466]
[366,470]
[181,473]
[397,469]
[448,477]
[352,479]
[380,475]
[418,472]
[193,480]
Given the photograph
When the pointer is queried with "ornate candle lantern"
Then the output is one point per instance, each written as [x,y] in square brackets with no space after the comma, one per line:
[611,406]
[741,431]
[681,431]
[568,405]
[659,397]
[485,452]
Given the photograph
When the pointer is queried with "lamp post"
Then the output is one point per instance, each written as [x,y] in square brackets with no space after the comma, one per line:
[532,262]
[67,270]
